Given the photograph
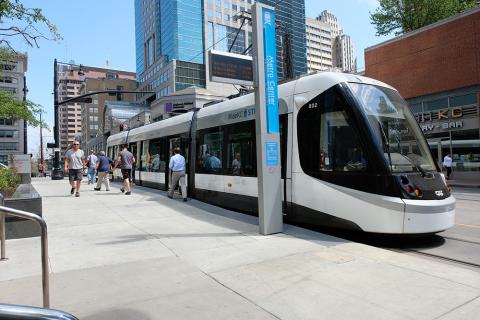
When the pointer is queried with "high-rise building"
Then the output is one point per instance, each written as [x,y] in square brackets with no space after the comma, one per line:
[343,53]
[12,80]
[319,45]
[173,37]
[169,46]
[71,78]
[291,38]
[92,113]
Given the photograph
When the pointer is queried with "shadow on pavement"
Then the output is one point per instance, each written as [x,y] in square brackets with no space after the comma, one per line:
[144,237]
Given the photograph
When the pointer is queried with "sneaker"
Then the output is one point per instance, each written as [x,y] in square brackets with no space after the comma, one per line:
[97,189]
[72,191]
[106,190]
[123,190]
[77,194]
[169,196]
[128,193]
[185,199]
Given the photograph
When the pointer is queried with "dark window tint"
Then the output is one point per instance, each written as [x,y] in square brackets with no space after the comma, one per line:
[327,139]
[435,104]
[210,151]
[464,100]
[241,156]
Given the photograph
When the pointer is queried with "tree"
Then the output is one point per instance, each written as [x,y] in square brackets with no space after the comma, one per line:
[27,23]
[18,21]
[400,16]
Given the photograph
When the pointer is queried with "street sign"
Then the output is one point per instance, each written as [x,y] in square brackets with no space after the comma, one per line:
[22,163]
[266,124]
[227,67]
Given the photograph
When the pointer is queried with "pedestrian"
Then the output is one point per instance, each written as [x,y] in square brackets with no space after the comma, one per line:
[447,163]
[74,164]
[126,160]
[92,167]
[237,165]
[177,167]
[104,164]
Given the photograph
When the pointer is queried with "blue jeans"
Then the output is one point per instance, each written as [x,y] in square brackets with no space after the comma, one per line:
[91,175]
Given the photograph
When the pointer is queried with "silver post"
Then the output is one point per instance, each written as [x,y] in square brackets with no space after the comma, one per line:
[2,230]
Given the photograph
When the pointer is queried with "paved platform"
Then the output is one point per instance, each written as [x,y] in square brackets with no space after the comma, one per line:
[145,256]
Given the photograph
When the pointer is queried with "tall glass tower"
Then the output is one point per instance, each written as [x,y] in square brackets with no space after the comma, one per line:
[169,45]
[291,37]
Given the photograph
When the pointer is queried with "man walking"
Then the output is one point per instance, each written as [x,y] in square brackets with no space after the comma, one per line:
[103,168]
[74,164]
[92,167]
[447,163]
[177,166]
[126,160]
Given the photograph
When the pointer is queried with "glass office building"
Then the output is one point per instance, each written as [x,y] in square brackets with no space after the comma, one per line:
[290,15]
[169,46]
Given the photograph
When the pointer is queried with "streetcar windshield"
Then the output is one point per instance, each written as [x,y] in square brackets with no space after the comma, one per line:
[404,145]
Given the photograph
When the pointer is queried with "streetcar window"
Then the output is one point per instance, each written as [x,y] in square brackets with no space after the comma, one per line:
[241,156]
[327,140]
[157,156]
[144,156]
[210,151]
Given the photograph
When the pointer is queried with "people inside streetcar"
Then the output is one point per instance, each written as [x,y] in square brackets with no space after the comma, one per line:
[237,165]
[322,161]
[155,163]
[212,163]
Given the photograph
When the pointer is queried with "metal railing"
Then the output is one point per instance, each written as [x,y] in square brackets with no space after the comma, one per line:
[4,211]
[10,311]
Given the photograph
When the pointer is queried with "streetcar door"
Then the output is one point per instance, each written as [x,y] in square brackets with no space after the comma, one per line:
[285,151]
[132,147]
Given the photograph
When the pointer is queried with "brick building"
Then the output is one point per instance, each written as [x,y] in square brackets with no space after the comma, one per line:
[437,70]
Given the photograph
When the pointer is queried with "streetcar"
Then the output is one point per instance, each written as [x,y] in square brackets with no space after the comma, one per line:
[352,157]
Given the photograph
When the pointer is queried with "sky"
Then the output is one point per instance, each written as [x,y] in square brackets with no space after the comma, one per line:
[95,31]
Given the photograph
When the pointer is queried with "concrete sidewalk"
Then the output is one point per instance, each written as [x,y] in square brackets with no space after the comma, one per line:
[145,256]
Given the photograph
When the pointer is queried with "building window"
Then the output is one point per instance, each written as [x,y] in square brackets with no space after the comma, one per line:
[7,133]
[210,34]
[6,122]
[465,100]
[210,12]
[9,146]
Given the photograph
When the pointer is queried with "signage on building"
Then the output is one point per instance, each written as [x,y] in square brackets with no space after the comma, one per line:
[227,67]
[169,107]
[444,119]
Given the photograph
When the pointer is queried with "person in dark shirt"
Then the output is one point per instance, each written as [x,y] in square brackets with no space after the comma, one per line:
[104,164]
[126,160]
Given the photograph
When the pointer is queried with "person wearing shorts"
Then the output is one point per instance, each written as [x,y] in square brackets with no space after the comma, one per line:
[74,163]
[126,160]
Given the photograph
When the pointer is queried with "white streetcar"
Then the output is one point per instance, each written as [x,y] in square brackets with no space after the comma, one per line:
[352,156]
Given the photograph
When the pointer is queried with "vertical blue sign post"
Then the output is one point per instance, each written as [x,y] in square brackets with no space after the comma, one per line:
[267,122]
[270,56]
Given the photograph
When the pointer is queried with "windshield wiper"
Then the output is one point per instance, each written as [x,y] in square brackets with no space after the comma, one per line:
[415,165]
[386,145]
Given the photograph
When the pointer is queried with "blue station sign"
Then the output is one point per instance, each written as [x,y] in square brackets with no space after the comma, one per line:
[271,82]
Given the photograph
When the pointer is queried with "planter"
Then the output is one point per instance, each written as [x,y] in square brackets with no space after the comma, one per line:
[25,198]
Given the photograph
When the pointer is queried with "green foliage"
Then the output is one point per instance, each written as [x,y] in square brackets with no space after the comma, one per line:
[400,16]
[8,181]
[18,20]
[13,108]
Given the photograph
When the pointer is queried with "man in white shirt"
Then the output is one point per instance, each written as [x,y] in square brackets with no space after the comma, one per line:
[177,166]
[74,163]
[447,163]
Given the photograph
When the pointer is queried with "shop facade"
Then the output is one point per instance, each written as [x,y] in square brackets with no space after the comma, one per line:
[437,70]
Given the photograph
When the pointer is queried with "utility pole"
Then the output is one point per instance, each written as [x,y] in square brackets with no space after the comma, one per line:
[57,172]
[41,145]
[25,140]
